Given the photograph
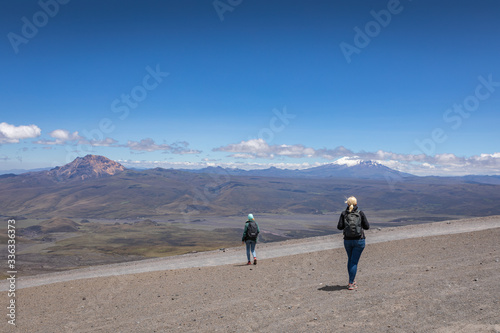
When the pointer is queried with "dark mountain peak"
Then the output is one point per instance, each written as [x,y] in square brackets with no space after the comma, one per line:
[370,163]
[90,166]
[8,175]
[209,169]
[217,168]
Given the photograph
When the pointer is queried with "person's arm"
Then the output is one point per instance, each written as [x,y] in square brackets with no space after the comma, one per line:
[244,232]
[341,225]
[258,231]
[364,221]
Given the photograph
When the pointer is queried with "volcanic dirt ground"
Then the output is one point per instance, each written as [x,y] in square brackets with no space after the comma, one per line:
[448,282]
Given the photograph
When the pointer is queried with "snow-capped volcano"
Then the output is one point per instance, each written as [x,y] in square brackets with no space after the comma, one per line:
[354,167]
[355,160]
[348,161]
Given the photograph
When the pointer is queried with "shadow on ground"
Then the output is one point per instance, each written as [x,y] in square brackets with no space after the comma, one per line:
[333,288]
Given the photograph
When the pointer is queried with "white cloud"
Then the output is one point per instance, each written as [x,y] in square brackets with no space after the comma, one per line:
[419,169]
[61,137]
[331,154]
[12,134]
[349,161]
[204,163]
[182,148]
[255,147]
[418,164]
[64,135]
[294,151]
[244,156]
[259,148]
[449,165]
[148,145]
[108,142]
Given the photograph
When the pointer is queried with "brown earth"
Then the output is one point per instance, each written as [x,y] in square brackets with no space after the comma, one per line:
[446,283]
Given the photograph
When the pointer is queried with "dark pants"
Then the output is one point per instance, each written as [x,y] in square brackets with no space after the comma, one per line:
[354,248]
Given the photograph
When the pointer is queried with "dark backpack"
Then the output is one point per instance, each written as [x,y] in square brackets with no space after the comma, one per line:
[352,228]
[252,230]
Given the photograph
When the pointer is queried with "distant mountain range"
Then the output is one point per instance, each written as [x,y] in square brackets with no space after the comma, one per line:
[20,171]
[360,169]
[92,166]
[96,187]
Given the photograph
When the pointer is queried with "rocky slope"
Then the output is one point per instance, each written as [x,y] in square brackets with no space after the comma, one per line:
[90,166]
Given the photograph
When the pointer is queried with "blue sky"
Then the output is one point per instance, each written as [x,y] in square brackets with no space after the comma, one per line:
[414,85]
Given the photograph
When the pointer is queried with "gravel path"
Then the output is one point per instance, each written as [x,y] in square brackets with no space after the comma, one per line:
[264,251]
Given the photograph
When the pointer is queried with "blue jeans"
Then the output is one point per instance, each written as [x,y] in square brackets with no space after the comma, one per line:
[251,247]
[354,248]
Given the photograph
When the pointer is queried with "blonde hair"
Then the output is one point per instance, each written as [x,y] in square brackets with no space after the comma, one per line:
[351,202]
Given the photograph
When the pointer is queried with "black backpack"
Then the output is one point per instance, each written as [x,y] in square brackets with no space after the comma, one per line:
[252,230]
[352,228]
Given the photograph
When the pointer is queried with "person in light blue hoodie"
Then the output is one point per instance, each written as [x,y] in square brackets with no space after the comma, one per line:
[250,235]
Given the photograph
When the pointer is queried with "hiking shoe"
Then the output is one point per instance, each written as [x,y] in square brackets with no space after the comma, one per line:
[351,286]
[255,261]
[249,263]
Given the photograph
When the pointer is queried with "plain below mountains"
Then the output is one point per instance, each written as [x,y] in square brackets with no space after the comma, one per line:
[96,187]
